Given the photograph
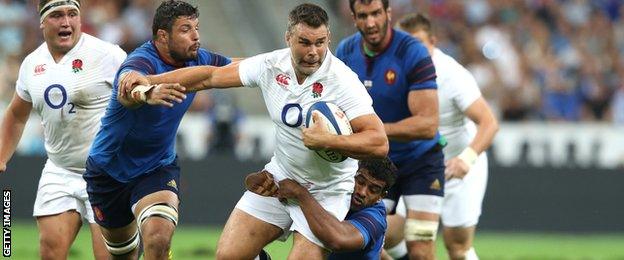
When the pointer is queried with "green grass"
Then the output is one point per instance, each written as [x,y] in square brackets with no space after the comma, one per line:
[199,243]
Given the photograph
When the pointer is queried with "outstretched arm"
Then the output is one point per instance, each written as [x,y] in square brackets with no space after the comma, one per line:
[201,77]
[336,235]
[13,123]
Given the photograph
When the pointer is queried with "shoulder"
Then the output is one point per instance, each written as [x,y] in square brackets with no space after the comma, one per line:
[97,46]
[348,45]
[408,47]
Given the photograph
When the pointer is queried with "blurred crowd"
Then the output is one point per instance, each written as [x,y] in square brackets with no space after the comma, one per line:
[537,60]
[553,60]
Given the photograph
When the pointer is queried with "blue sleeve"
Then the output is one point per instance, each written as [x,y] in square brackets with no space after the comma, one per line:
[370,222]
[220,61]
[139,64]
[340,51]
[421,73]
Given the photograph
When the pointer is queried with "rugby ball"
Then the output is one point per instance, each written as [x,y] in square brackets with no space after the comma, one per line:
[337,123]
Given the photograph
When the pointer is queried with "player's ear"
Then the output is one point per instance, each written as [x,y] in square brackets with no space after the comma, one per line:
[162,34]
[287,38]
[389,11]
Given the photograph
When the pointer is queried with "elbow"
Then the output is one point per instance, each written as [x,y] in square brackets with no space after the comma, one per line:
[382,148]
[495,126]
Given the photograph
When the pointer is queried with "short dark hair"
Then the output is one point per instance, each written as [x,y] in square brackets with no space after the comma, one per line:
[414,22]
[381,169]
[310,14]
[169,11]
[385,3]
[42,3]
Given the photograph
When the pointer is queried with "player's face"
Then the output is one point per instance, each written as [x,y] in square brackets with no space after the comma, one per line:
[372,21]
[184,39]
[308,47]
[61,29]
[368,190]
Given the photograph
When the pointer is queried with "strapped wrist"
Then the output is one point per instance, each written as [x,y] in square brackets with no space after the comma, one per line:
[469,156]
[140,92]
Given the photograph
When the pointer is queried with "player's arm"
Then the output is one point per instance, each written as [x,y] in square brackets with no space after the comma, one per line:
[335,234]
[144,93]
[367,141]
[15,118]
[487,126]
[201,77]
[423,124]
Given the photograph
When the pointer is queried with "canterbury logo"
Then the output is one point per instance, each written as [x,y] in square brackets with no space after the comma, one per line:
[40,69]
[282,80]
[172,184]
[435,185]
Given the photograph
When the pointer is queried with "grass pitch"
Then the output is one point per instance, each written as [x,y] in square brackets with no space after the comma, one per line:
[192,242]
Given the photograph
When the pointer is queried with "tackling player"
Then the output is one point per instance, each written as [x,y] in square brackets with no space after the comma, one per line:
[132,172]
[67,81]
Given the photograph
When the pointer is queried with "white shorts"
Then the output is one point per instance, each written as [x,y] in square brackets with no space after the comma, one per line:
[61,190]
[288,216]
[461,205]
[463,197]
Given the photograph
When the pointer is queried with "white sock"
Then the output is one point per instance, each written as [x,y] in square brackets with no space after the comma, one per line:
[399,250]
[471,254]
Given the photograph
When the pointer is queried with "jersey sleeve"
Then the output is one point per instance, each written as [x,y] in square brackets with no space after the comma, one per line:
[138,63]
[421,73]
[354,99]
[250,70]
[369,222]
[220,61]
[20,87]
[465,88]
[113,62]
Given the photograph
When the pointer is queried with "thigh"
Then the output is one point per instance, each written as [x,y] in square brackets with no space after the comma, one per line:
[244,236]
[423,185]
[158,186]
[54,194]
[337,205]
[305,249]
[61,228]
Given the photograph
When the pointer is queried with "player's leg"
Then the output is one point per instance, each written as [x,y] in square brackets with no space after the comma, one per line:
[57,233]
[244,236]
[423,193]
[305,244]
[395,245]
[157,217]
[111,210]
[56,212]
[462,209]
[305,249]
[97,242]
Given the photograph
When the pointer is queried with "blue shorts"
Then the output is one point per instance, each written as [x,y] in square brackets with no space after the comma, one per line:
[422,176]
[112,200]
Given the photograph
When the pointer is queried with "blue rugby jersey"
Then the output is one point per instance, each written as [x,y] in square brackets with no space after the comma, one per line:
[133,142]
[371,222]
[389,76]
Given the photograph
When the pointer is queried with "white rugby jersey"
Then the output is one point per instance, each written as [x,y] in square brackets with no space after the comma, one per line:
[288,102]
[70,96]
[457,90]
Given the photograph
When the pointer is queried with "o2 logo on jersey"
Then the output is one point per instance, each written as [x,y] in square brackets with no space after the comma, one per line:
[51,97]
[292,115]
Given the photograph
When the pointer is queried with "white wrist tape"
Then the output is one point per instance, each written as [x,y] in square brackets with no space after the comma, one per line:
[139,93]
[469,156]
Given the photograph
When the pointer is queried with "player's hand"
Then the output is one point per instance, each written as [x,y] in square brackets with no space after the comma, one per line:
[129,80]
[456,168]
[165,94]
[316,137]
[290,189]
[261,183]
[3,167]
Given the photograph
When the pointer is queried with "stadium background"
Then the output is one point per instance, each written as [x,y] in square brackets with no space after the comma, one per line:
[553,70]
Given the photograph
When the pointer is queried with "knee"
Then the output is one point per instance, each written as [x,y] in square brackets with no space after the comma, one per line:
[227,253]
[157,241]
[53,248]
[420,254]
[456,251]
